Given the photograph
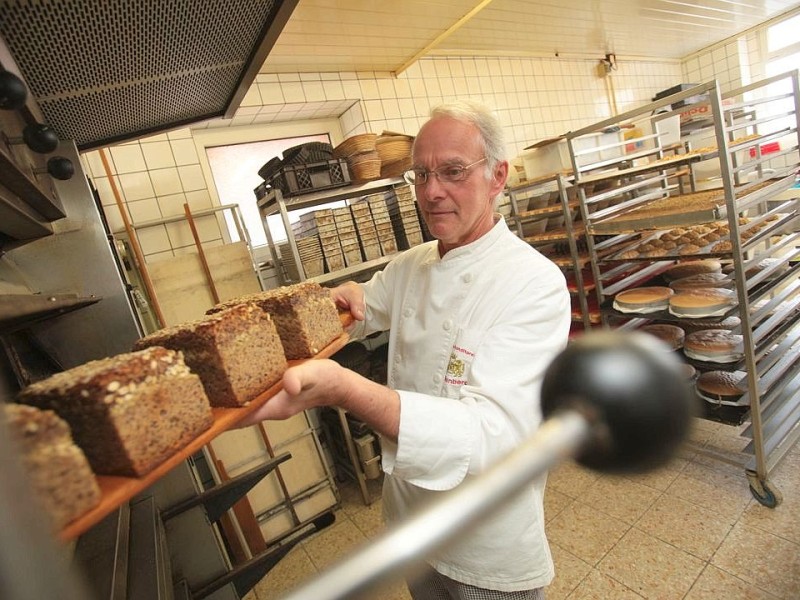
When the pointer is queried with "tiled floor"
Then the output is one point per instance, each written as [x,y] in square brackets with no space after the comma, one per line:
[690,530]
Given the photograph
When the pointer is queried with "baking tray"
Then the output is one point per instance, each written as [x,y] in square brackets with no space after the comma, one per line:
[117,490]
[705,251]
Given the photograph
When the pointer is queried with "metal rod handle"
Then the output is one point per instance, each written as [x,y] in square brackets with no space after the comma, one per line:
[404,547]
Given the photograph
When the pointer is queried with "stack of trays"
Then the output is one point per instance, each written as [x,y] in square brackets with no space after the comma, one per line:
[346,228]
[362,158]
[395,153]
[403,214]
[367,234]
[383,223]
[322,224]
[310,255]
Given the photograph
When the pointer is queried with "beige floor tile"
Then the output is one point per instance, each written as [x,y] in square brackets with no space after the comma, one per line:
[294,569]
[598,586]
[705,486]
[368,519]
[715,584]
[570,571]
[571,479]
[620,498]
[554,503]
[391,590]
[585,532]
[692,528]
[783,520]
[661,478]
[334,543]
[650,567]
[761,558]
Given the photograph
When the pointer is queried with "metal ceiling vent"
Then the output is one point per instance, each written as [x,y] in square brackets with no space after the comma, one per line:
[103,71]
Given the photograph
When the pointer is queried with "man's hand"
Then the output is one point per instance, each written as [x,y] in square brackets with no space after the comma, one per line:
[311,384]
[350,296]
[323,382]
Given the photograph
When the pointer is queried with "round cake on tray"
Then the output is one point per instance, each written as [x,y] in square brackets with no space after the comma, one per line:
[722,387]
[701,280]
[692,267]
[699,303]
[643,299]
[671,335]
[714,345]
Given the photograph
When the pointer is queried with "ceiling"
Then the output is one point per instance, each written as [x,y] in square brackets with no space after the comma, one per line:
[364,35]
[104,71]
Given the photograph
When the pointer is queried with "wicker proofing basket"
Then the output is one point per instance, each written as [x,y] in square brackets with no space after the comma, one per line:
[365,166]
[395,168]
[392,148]
[357,144]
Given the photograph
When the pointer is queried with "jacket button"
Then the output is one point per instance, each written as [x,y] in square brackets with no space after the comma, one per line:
[408,312]
[447,325]
[437,379]
[467,277]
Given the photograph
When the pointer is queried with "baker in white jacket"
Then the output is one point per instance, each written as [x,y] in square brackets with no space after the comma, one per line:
[474,318]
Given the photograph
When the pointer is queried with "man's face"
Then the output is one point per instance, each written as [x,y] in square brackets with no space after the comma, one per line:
[457,212]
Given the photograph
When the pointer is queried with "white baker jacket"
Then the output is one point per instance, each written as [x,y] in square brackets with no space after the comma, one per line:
[471,334]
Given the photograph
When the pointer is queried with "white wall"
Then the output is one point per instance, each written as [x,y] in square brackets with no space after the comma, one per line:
[535,98]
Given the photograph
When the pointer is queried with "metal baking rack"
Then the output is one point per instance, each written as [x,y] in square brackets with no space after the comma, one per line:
[756,153]
[544,190]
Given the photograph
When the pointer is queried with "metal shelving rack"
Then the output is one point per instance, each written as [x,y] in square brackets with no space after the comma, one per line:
[755,174]
[543,190]
[274,203]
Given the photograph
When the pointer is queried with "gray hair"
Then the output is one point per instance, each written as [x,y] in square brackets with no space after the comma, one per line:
[491,131]
[489,127]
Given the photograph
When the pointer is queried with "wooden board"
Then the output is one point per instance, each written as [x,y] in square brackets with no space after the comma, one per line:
[118,490]
[181,287]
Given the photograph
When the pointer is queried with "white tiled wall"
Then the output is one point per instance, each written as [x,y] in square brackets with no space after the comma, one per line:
[534,97]
[735,63]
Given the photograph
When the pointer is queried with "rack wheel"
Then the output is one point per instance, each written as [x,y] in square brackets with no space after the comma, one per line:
[764,491]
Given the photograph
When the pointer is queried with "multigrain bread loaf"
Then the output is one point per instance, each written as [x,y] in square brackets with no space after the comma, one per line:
[60,478]
[129,412]
[304,314]
[236,352]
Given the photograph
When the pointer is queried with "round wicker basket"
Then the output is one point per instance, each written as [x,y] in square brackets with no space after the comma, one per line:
[356,144]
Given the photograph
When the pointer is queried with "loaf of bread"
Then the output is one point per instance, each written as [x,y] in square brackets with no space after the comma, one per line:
[60,478]
[304,314]
[129,412]
[236,352]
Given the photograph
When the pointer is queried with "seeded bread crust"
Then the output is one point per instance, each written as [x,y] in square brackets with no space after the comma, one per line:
[237,352]
[58,472]
[304,314]
[128,412]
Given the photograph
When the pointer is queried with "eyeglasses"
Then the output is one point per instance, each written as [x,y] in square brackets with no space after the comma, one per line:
[447,174]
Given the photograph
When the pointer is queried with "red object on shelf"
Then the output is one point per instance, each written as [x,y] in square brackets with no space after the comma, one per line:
[768,148]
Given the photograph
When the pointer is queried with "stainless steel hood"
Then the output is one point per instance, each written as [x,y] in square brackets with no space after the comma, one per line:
[105,71]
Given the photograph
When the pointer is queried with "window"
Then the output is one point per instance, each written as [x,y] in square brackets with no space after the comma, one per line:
[235,169]
[781,44]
